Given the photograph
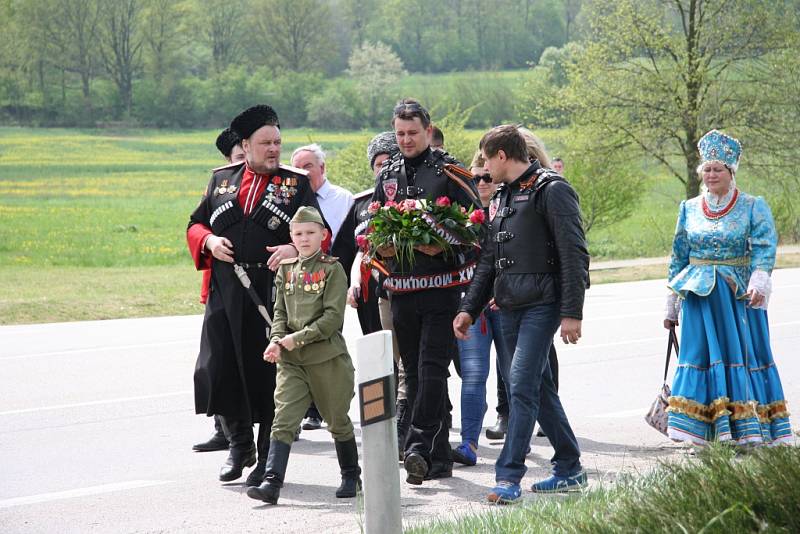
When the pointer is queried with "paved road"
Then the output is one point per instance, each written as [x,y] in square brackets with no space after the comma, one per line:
[96,424]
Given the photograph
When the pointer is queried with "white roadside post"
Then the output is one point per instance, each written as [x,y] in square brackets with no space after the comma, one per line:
[375,370]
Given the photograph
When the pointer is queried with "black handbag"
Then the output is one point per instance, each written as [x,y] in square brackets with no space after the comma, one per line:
[657,414]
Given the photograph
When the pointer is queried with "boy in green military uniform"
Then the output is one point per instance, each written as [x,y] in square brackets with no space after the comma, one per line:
[307,345]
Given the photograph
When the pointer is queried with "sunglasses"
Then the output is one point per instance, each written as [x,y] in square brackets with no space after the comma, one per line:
[486,178]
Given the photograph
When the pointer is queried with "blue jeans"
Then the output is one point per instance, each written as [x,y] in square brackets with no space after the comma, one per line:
[475,356]
[527,333]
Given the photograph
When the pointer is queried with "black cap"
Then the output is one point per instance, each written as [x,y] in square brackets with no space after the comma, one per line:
[251,119]
[226,140]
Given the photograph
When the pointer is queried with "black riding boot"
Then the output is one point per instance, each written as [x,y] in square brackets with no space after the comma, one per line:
[217,442]
[256,476]
[270,489]
[243,450]
[347,454]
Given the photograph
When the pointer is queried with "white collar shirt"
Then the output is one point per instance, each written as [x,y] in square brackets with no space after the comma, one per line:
[335,202]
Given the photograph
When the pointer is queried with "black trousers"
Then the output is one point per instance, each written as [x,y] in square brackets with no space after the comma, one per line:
[502,395]
[423,322]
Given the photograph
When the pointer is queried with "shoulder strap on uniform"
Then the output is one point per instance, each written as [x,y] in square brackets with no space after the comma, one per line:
[228,166]
[295,170]
[364,194]
[328,259]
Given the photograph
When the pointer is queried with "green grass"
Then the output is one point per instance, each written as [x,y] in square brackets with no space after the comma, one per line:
[718,492]
[56,294]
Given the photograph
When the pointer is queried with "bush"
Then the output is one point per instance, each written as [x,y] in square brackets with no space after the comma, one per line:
[336,108]
[349,167]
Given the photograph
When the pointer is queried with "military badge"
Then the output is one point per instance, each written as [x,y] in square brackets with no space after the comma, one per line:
[223,187]
[390,189]
[232,189]
[273,223]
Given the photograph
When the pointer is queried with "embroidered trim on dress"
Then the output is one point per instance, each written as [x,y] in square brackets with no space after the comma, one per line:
[722,407]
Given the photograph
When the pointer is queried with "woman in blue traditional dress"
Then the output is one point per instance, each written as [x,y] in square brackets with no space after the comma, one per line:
[726,386]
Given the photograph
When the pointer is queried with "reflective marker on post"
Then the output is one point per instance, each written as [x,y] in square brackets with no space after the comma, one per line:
[375,370]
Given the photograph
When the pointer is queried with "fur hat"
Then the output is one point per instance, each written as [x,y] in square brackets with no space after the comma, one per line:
[383,143]
[251,119]
[226,140]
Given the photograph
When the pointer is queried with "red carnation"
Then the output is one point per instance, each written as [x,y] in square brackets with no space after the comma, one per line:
[477,217]
[362,241]
[443,201]
[390,204]
[374,207]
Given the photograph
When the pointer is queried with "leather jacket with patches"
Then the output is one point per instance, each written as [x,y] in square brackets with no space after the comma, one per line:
[400,180]
[535,251]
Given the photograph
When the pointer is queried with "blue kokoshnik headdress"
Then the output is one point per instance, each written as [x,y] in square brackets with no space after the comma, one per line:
[716,146]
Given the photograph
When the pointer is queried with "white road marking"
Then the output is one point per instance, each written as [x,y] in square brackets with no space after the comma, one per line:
[80,492]
[100,349]
[95,403]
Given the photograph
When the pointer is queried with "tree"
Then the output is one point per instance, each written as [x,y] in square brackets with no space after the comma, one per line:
[294,34]
[349,166]
[374,68]
[221,24]
[69,27]
[656,75]
[121,47]
[162,33]
[609,183]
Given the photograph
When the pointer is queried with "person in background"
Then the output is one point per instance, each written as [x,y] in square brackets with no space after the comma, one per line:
[475,351]
[726,386]
[230,146]
[437,138]
[365,292]
[558,165]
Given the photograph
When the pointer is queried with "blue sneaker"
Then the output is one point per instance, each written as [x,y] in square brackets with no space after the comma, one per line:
[505,492]
[465,454]
[556,484]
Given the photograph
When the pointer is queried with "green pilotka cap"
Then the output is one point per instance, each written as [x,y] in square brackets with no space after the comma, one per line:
[307,214]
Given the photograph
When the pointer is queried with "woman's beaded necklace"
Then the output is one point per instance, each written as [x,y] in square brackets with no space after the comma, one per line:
[712,214]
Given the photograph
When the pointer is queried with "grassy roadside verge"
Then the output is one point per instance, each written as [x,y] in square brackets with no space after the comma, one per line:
[717,492]
[54,294]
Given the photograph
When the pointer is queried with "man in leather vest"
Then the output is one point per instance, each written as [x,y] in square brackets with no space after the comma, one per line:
[243,219]
[425,294]
[537,265]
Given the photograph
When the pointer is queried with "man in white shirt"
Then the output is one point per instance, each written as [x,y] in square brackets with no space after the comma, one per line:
[334,201]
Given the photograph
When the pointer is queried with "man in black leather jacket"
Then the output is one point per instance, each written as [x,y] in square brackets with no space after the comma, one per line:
[425,294]
[537,266]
